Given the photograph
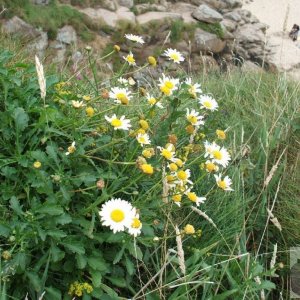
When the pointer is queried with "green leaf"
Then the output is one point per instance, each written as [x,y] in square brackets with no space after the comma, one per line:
[81,261]
[52,293]
[34,280]
[50,209]
[129,265]
[21,118]
[96,278]
[15,205]
[117,281]
[56,233]
[52,152]
[97,263]
[74,246]
[135,251]
[110,291]
[4,230]
[119,255]
[57,254]
[20,260]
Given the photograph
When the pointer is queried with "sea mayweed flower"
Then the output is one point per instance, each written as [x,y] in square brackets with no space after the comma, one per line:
[130,59]
[152,61]
[121,95]
[168,152]
[208,102]
[117,214]
[136,226]
[117,123]
[174,55]
[194,89]
[71,149]
[168,85]
[194,118]
[135,38]
[153,101]
[225,183]
[143,139]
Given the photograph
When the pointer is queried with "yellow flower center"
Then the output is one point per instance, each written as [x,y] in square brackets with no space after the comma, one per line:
[179,162]
[144,124]
[192,196]
[71,149]
[152,101]
[122,97]
[147,153]
[147,169]
[192,119]
[130,59]
[189,229]
[136,223]
[210,167]
[86,98]
[170,178]
[222,184]
[173,167]
[174,56]
[182,175]
[152,61]
[37,164]
[117,215]
[140,130]
[90,111]
[115,123]
[217,154]
[165,90]
[207,104]
[169,85]
[221,134]
[176,198]
[142,140]
[166,154]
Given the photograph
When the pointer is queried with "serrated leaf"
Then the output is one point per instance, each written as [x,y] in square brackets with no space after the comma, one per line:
[96,278]
[119,255]
[50,209]
[57,254]
[74,246]
[97,263]
[21,118]
[15,205]
[117,281]
[34,280]
[81,261]
[56,233]
[52,153]
[52,293]
[129,265]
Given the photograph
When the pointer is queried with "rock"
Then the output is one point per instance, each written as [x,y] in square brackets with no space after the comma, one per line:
[126,3]
[185,10]
[67,35]
[207,42]
[17,26]
[206,14]
[157,16]
[145,7]
[219,4]
[204,62]
[108,17]
[109,4]
[250,33]
[233,16]
[41,2]
[229,25]
[40,44]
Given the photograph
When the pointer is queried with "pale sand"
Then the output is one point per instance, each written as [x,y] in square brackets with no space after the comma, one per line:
[280,15]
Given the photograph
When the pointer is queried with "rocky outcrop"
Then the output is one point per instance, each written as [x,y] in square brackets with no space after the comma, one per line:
[157,17]
[206,14]
[67,35]
[207,42]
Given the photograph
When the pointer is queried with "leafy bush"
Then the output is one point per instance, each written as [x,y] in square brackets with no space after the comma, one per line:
[63,160]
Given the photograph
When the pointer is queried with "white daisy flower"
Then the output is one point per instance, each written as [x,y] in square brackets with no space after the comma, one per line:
[77,104]
[117,214]
[153,102]
[221,156]
[168,85]
[123,80]
[71,149]
[225,183]
[168,153]
[135,226]
[135,38]
[194,89]
[183,176]
[209,148]
[194,118]
[208,102]
[117,123]
[211,167]
[194,198]
[130,59]
[143,139]
[174,55]
[121,95]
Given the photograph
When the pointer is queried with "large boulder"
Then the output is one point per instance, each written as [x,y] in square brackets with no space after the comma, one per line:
[157,16]
[250,33]
[207,42]
[185,10]
[145,7]
[126,3]
[206,14]
[219,4]
[67,35]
